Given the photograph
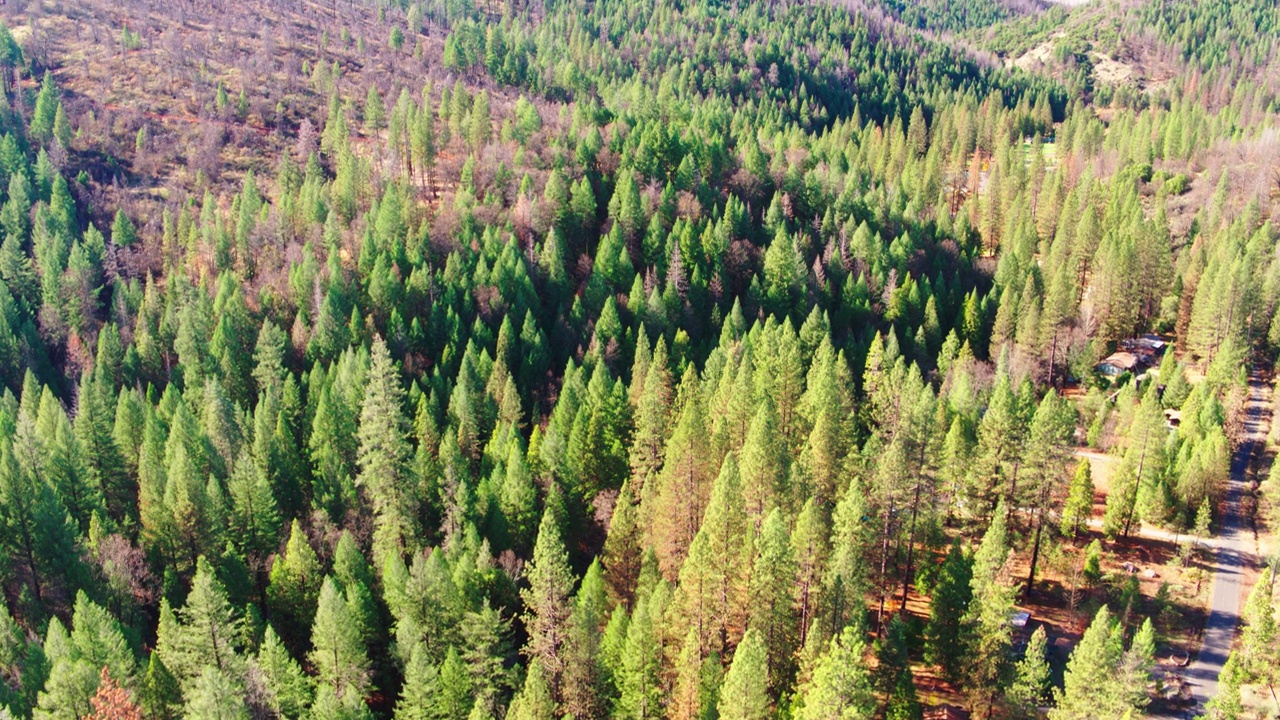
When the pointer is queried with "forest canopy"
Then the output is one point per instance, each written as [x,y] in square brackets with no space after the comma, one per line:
[434,359]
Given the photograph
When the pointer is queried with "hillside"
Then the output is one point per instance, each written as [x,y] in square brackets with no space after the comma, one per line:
[689,359]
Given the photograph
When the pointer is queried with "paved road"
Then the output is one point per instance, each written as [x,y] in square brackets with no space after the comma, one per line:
[1234,553]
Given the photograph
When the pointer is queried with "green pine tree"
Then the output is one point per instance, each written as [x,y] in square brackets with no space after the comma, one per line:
[675,506]
[547,604]
[294,587]
[158,691]
[988,633]
[772,582]
[744,696]
[1031,677]
[714,575]
[584,675]
[1079,505]
[639,682]
[214,696]
[534,701]
[76,661]
[840,688]
[254,519]
[945,632]
[337,645]
[384,455]
[1102,680]
[290,690]
[421,684]
[207,632]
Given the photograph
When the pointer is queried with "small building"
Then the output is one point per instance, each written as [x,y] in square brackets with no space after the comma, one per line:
[1148,349]
[1118,363]
[1134,355]
[1021,626]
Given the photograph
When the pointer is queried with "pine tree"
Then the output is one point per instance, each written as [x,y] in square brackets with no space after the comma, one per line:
[384,455]
[809,548]
[453,700]
[123,233]
[999,449]
[1227,704]
[294,588]
[713,577]
[518,500]
[15,656]
[840,688]
[481,125]
[64,465]
[1102,680]
[206,632]
[46,108]
[112,702]
[639,682]
[76,662]
[1141,470]
[783,274]
[1258,655]
[685,702]
[1079,505]
[337,644]
[945,632]
[486,650]
[893,671]
[158,691]
[1046,459]
[621,553]
[744,696]
[421,683]
[584,673]
[547,605]
[290,691]
[987,618]
[676,506]
[375,114]
[214,696]
[192,525]
[333,452]
[1031,677]
[764,461]
[848,571]
[534,701]
[350,568]
[652,416]
[771,615]
[428,606]
[36,531]
[254,520]
[954,463]
[103,459]
[329,705]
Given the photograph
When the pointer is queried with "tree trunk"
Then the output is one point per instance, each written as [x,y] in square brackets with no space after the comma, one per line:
[1142,461]
[1035,551]
[911,533]
[884,566]
[1053,354]
[1013,493]
[29,551]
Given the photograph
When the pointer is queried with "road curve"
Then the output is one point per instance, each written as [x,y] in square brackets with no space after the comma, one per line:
[1233,554]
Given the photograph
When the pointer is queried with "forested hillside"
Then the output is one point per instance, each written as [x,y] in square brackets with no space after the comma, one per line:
[616,359]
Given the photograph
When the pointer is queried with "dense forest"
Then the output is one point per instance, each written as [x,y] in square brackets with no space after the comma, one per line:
[560,359]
